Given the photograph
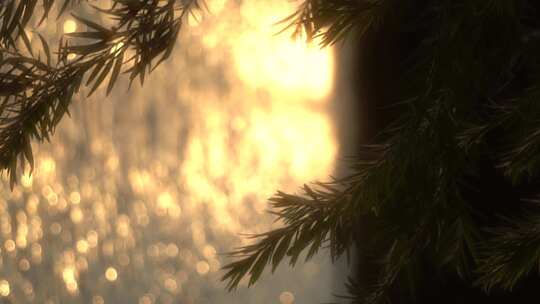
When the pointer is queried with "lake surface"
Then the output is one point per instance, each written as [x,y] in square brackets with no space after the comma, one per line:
[138,194]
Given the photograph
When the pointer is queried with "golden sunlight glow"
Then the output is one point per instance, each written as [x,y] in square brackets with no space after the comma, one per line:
[266,58]
[271,149]
[70,26]
[286,65]
[69,276]
[162,178]
[4,288]
[216,6]
[47,166]
[111,274]
[116,48]
[26,180]
[258,143]
[82,246]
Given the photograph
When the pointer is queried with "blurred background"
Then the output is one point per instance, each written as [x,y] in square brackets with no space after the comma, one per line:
[138,194]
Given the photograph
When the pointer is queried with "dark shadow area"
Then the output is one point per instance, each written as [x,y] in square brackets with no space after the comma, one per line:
[369,75]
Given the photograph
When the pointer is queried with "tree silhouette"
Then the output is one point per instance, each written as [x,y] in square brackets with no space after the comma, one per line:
[36,92]
[447,189]
[442,199]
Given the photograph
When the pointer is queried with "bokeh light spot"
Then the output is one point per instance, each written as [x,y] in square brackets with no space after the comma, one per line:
[286,297]
[82,246]
[98,300]
[202,267]
[70,26]
[111,274]
[4,288]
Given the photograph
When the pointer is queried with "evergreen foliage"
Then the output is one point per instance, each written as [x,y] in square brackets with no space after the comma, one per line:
[468,111]
[468,107]
[35,92]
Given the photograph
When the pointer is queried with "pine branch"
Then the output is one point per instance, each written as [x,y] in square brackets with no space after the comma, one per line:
[511,254]
[333,20]
[519,117]
[315,218]
[461,104]
[36,94]
[36,98]
[16,14]
[460,75]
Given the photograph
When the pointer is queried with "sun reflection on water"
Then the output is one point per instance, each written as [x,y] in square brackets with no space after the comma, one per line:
[136,196]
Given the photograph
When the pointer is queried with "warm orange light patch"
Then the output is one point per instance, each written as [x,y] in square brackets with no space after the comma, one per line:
[70,26]
[273,131]
[4,288]
[277,61]
[172,173]
[266,58]
[111,274]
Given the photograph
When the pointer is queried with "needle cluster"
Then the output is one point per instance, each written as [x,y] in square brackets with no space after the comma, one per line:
[451,185]
[37,86]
